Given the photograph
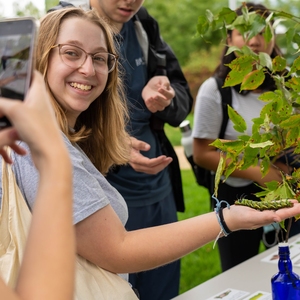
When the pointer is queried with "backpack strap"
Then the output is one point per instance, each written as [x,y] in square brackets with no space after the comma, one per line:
[144,17]
[226,96]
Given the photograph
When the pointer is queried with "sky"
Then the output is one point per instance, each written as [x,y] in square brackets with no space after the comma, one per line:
[6,7]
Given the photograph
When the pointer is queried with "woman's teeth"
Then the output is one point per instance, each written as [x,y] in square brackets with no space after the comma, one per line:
[80,86]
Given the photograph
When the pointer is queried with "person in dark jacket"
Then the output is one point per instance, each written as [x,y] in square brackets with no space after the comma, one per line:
[157,93]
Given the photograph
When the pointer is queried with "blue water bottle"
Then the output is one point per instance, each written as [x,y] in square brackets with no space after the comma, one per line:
[286,283]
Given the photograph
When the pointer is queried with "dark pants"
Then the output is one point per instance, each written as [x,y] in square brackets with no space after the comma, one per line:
[161,283]
[241,245]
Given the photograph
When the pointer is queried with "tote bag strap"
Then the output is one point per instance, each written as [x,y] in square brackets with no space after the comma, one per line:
[15,218]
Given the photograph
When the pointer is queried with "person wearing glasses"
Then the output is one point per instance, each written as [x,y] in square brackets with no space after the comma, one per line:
[89,102]
[157,93]
[48,265]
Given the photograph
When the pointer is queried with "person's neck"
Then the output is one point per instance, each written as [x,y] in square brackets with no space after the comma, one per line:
[117,26]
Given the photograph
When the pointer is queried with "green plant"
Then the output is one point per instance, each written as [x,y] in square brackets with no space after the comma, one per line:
[276,131]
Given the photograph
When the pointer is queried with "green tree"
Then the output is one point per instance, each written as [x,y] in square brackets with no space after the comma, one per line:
[178,23]
[51,3]
[178,19]
[28,10]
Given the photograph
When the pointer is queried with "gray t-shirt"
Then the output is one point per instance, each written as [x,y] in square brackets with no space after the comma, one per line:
[90,188]
[208,117]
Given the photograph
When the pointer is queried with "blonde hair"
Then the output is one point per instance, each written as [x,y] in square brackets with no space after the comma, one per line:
[100,130]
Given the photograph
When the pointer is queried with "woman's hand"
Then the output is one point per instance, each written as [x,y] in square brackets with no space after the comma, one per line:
[242,217]
[32,120]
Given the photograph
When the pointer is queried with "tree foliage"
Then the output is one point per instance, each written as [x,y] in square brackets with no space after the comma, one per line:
[51,3]
[178,23]
[276,131]
[28,10]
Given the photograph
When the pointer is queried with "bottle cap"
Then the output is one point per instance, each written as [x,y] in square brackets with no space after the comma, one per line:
[283,244]
[185,126]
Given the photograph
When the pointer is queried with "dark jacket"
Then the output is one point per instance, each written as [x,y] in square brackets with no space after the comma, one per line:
[180,106]
[162,60]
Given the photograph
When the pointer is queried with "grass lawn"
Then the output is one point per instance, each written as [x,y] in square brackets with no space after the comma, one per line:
[204,263]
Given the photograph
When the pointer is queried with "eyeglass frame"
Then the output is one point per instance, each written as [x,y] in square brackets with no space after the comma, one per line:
[115,56]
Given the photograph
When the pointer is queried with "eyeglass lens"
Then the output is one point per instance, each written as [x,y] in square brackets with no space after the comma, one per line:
[75,57]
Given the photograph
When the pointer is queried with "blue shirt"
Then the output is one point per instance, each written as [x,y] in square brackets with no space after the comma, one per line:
[138,189]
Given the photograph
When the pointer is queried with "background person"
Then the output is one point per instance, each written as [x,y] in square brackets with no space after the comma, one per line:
[207,123]
[155,96]
[157,93]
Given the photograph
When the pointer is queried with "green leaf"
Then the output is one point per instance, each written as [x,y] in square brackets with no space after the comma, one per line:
[233,78]
[250,157]
[233,49]
[253,80]
[289,35]
[243,63]
[227,15]
[240,66]
[296,38]
[279,64]
[272,185]
[268,96]
[292,136]
[265,60]
[268,33]
[202,25]
[239,123]
[295,66]
[209,16]
[219,172]
[294,83]
[292,121]
[230,169]
[257,26]
[230,147]
[264,166]
[244,137]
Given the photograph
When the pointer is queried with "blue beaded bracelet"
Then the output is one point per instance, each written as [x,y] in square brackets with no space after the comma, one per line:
[219,213]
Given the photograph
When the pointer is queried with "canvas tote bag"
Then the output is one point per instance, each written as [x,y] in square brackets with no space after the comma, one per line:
[15,219]
[92,282]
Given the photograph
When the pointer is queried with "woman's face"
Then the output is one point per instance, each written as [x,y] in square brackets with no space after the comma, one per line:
[76,89]
[256,44]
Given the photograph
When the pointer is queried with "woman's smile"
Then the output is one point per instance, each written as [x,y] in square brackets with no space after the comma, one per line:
[80,86]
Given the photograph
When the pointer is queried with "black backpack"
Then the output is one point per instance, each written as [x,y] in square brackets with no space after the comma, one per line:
[202,175]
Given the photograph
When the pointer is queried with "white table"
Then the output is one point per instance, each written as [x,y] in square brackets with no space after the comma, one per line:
[252,275]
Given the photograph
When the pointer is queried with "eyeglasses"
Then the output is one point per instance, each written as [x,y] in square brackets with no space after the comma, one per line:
[75,57]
